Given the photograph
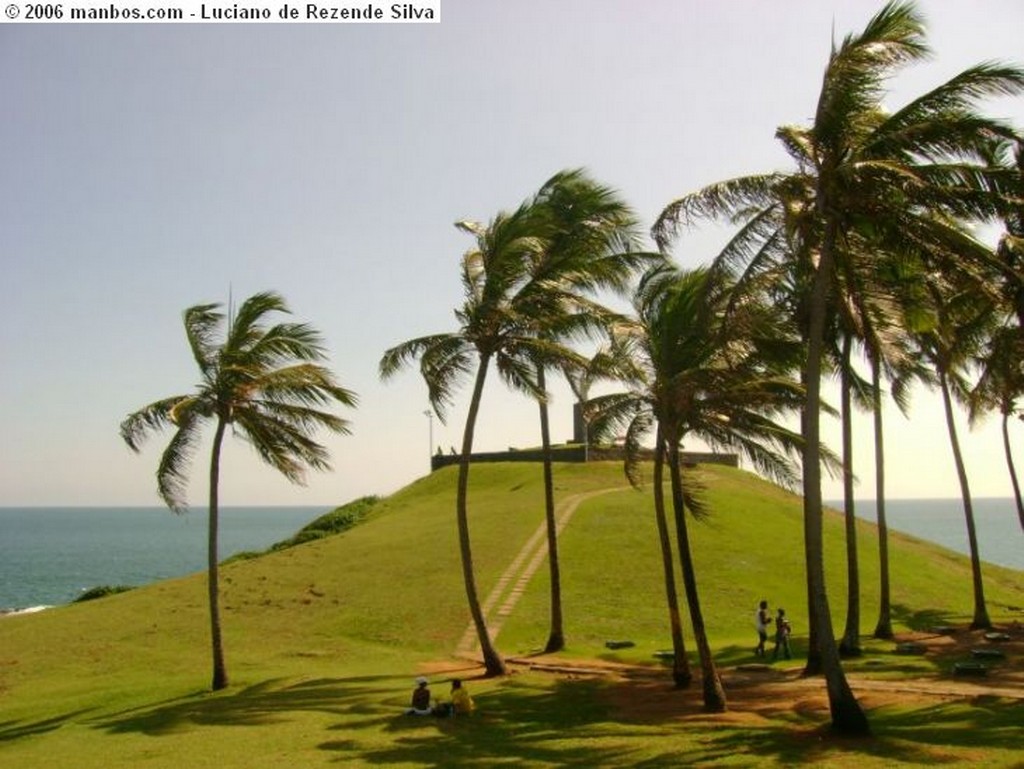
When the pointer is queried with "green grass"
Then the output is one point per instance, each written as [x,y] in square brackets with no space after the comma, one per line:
[322,641]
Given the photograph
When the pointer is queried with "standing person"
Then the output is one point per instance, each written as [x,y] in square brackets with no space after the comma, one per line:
[762,621]
[782,631]
[420,699]
[462,703]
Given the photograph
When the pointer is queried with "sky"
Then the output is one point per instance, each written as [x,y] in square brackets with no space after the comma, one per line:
[148,168]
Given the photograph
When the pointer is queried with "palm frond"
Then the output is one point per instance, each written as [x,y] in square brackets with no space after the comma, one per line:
[202,323]
[715,201]
[640,425]
[172,472]
[246,327]
[156,416]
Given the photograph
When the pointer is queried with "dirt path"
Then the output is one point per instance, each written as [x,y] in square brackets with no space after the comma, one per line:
[512,583]
[759,690]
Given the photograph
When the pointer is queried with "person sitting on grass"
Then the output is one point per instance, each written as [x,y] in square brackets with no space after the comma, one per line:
[420,699]
[462,703]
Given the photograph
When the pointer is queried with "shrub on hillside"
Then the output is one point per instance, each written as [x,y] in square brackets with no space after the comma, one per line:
[101,591]
[335,522]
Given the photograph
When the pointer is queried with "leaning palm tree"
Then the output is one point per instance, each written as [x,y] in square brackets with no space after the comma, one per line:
[710,375]
[267,385]
[590,237]
[621,360]
[497,323]
[869,172]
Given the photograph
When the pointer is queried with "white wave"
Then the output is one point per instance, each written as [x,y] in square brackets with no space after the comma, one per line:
[26,610]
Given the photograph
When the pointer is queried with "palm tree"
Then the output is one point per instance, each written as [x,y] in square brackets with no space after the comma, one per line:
[873,306]
[602,415]
[1000,387]
[498,319]
[263,382]
[713,376]
[1002,380]
[590,239]
[963,321]
[850,643]
[873,174]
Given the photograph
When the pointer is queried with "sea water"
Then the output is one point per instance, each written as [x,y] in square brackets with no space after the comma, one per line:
[50,555]
[942,521]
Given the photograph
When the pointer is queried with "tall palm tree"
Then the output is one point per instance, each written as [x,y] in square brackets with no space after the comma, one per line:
[1001,384]
[869,173]
[873,307]
[497,323]
[712,376]
[590,237]
[603,415]
[267,385]
[850,643]
[963,321]
[1000,387]
[891,353]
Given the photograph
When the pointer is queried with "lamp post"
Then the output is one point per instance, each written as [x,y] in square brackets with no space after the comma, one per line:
[430,436]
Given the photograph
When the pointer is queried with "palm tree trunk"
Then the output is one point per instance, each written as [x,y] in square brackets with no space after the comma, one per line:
[556,639]
[849,646]
[493,662]
[681,675]
[847,715]
[981,619]
[884,627]
[711,682]
[220,671]
[1010,467]
[813,664]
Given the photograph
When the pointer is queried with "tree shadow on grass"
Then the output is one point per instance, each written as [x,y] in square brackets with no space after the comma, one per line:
[794,745]
[733,655]
[945,733]
[13,730]
[577,722]
[262,703]
[520,723]
[983,722]
[923,620]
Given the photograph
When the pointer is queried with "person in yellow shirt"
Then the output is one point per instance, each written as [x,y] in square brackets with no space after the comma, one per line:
[462,703]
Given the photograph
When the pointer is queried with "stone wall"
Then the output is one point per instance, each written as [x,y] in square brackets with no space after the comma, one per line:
[579,454]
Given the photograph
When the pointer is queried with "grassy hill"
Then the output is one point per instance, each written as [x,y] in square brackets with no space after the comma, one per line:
[322,639]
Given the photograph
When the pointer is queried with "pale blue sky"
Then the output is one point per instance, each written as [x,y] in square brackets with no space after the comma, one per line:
[148,168]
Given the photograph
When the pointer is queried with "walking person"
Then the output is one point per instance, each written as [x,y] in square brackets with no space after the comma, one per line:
[782,631]
[762,620]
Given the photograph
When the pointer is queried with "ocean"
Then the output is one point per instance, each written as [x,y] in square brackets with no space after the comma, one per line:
[50,555]
[1000,538]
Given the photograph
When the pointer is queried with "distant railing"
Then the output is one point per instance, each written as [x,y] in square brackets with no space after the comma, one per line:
[579,454]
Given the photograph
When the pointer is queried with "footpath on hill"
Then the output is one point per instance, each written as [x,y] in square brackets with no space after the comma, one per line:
[752,688]
[513,581]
